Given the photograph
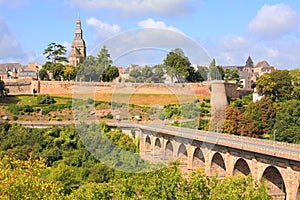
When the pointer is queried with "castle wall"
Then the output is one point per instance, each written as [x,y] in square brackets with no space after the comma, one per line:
[16,86]
[67,88]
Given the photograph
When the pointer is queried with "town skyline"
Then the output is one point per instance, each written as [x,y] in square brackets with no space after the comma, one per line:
[228,31]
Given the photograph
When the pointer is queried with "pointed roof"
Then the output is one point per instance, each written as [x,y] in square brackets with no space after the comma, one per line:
[249,62]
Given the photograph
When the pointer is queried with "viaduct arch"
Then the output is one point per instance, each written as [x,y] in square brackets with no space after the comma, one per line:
[281,175]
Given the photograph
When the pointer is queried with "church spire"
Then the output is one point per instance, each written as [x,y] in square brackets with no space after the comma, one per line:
[78,45]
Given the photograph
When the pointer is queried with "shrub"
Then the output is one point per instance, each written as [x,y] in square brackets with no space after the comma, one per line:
[109,116]
[90,101]
[15,118]
[28,109]
[45,99]
[14,109]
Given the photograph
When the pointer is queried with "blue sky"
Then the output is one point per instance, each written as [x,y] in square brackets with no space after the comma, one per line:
[229,30]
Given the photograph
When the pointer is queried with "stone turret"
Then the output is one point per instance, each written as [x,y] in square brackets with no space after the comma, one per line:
[78,46]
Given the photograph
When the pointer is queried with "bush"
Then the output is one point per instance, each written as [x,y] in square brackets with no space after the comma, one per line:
[14,109]
[28,109]
[45,99]
[15,118]
[109,116]
[90,101]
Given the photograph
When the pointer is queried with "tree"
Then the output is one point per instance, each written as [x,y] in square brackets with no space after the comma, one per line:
[24,180]
[103,57]
[239,187]
[202,73]
[147,73]
[55,52]
[232,75]
[276,85]
[58,71]
[3,91]
[295,75]
[231,124]
[70,72]
[283,89]
[135,74]
[158,75]
[110,73]
[89,69]
[287,124]
[265,86]
[216,72]
[93,68]
[178,66]
[43,74]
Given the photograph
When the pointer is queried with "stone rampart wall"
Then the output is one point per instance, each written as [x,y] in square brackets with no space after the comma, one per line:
[67,87]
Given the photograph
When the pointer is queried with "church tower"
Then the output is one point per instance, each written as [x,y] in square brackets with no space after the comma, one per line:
[78,46]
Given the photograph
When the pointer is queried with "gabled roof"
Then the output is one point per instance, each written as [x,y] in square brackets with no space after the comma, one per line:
[262,64]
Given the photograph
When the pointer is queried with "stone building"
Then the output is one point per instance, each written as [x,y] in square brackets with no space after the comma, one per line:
[78,46]
[247,74]
[263,67]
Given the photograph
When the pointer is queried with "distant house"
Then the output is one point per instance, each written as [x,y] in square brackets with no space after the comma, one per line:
[33,67]
[246,73]
[249,73]
[263,67]
[10,70]
[17,71]
[31,75]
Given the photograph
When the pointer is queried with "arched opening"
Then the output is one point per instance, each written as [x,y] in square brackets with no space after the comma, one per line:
[218,166]
[241,167]
[148,144]
[157,145]
[182,155]
[274,182]
[169,151]
[198,159]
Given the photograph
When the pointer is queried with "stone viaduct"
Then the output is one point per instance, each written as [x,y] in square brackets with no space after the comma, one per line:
[278,164]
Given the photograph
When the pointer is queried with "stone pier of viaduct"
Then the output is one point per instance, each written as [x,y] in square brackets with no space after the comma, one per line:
[278,164]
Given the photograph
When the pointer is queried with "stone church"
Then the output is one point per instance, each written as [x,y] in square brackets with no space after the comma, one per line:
[78,46]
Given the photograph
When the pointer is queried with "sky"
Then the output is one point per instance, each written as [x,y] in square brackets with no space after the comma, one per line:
[227,30]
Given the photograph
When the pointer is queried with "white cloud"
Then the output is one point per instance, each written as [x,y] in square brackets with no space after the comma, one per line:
[150,45]
[234,50]
[234,43]
[150,23]
[10,48]
[139,8]
[272,21]
[102,29]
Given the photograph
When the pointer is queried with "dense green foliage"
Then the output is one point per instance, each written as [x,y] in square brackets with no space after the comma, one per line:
[55,52]
[98,68]
[277,85]
[147,74]
[59,71]
[45,99]
[195,114]
[216,72]
[3,91]
[276,116]
[53,163]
